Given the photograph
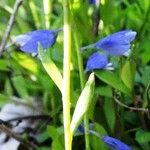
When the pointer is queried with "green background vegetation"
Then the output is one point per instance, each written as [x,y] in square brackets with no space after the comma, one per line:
[23,76]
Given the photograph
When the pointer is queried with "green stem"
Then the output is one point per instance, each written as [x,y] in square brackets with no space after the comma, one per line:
[66,75]
[86,128]
[47,4]
[82,83]
[80,61]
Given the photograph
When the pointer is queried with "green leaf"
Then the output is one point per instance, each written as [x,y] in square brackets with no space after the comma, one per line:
[56,144]
[84,101]
[20,85]
[142,136]
[4,99]
[97,143]
[26,62]
[50,68]
[128,74]
[4,65]
[104,91]
[113,80]
[8,88]
[109,111]
[145,78]
[52,132]
[42,137]
[145,4]
[145,57]
[57,138]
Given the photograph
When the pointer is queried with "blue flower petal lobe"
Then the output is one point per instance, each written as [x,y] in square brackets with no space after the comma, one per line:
[117,43]
[22,39]
[29,42]
[115,144]
[97,61]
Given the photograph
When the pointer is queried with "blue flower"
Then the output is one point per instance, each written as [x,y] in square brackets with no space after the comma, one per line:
[118,43]
[29,42]
[98,61]
[115,144]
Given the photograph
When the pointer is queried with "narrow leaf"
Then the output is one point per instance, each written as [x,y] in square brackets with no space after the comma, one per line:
[110,115]
[50,67]
[20,84]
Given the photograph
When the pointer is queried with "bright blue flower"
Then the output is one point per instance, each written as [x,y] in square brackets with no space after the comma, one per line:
[115,44]
[98,61]
[29,42]
[92,1]
[115,144]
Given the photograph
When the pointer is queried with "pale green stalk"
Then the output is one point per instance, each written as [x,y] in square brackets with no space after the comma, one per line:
[66,75]
[86,128]
[47,4]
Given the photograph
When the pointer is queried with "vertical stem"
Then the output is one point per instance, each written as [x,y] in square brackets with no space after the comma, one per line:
[80,61]
[66,75]
[47,4]
[82,83]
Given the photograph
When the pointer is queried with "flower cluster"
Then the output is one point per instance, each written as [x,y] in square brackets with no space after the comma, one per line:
[116,44]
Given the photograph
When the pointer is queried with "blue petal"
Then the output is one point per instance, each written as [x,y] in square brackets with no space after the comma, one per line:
[117,43]
[22,39]
[128,35]
[29,42]
[115,144]
[97,61]
[114,48]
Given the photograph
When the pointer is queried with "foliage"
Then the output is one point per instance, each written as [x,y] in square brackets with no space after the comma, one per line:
[24,76]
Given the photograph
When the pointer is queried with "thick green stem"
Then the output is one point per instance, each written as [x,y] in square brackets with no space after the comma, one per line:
[66,75]
[82,83]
